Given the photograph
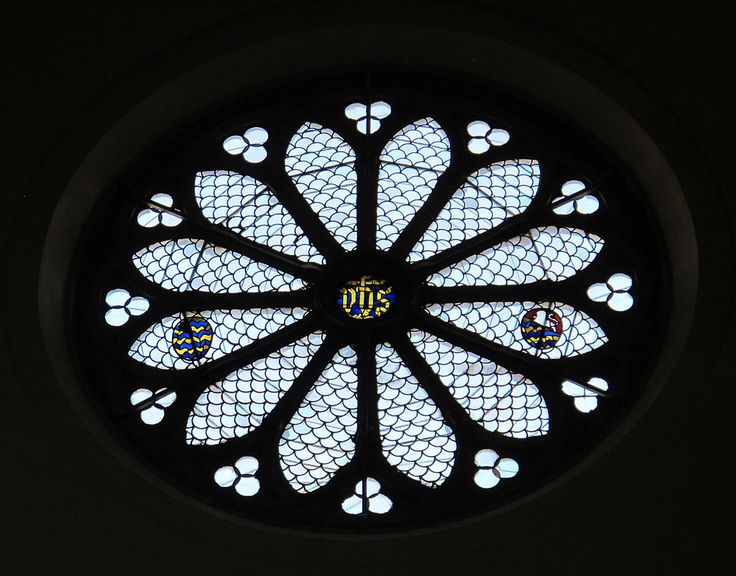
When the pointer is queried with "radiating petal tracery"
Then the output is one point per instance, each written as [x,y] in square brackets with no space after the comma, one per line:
[500,401]
[414,435]
[319,439]
[188,264]
[322,166]
[546,253]
[359,315]
[411,163]
[543,329]
[488,197]
[247,207]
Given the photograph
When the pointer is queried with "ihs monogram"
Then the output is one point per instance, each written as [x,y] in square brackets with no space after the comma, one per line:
[366,298]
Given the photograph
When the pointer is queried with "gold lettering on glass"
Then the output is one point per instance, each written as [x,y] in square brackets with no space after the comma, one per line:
[365,298]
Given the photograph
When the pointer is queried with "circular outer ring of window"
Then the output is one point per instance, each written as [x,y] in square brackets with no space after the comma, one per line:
[370,426]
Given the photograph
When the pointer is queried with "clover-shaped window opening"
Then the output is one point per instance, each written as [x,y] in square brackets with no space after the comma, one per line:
[575,196]
[368,116]
[492,468]
[152,406]
[241,476]
[586,394]
[615,292]
[160,211]
[483,136]
[251,145]
[121,306]
[341,321]
[366,498]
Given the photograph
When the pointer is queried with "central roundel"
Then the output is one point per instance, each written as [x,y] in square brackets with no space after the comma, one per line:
[366,297]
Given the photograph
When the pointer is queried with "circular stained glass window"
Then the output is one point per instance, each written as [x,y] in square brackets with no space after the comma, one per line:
[369,309]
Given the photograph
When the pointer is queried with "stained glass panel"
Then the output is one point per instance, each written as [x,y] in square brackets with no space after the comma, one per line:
[411,163]
[544,329]
[190,264]
[322,166]
[414,434]
[319,439]
[247,207]
[231,330]
[499,400]
[238,404]
[489,196]
[547,253]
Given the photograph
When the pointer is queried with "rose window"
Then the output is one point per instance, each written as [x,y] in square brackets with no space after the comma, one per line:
[369,311]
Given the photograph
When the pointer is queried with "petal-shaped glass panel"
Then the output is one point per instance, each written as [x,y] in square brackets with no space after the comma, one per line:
[547,253]
[499,400]
[411,163]
[414,435]
[322,167]
[238,404]
[488,197]
[542,329]
[188,264]
[163,344]
[248,207]
[318,440]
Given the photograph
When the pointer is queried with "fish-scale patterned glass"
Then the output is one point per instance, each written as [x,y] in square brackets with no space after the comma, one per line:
[488,197]
[234,406]
[322,167]
[190,264]
[547,253]
[411,163]
[499,400]
[249,208]
[414,435]
[544,329]
[319,439]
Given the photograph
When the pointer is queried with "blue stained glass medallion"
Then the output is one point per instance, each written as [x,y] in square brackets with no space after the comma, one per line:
[192,338]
